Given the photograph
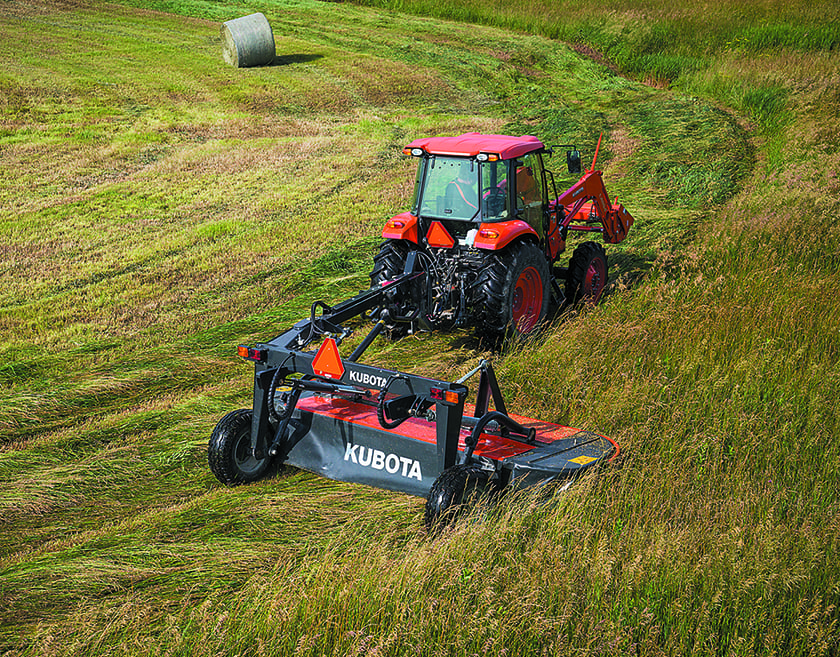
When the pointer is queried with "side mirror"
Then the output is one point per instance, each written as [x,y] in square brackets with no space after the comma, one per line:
[573,161]
[572,157]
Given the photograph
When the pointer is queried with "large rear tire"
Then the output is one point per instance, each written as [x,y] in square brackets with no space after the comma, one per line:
[229,451]
[512,291]
[387,265]
[389,262]
[587,275]
[453,491]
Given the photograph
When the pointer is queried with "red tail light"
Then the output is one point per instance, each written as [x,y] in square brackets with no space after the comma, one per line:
[447,396]
[251,353]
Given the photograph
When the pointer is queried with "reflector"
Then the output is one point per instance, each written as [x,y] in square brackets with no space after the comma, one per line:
[439,236]
[251,353]
[327,362]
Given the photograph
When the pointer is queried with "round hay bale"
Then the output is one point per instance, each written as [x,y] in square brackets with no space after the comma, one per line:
[248,41]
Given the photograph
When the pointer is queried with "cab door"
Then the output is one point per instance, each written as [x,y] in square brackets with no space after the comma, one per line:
[531,192]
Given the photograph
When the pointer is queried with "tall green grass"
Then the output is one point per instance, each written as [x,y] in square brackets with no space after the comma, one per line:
[159,207]
[665,44]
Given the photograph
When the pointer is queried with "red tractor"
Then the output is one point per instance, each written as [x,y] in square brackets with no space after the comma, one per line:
[485,228]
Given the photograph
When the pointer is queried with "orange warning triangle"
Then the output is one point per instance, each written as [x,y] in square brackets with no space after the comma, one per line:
[439,236]
[327,362]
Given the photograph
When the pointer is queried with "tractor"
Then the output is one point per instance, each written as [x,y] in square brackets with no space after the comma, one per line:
[487,226]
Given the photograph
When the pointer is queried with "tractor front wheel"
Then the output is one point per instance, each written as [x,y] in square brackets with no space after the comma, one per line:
[587,275]
[512,290]
[229,452]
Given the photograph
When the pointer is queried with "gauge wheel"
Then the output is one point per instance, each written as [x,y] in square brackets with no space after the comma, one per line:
[229,451]
[455,489]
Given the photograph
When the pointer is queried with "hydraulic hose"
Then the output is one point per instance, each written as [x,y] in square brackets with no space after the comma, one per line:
[384,422]
[504,422]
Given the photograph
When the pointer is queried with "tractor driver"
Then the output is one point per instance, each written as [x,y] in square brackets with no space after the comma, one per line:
[526,187]
[462,193]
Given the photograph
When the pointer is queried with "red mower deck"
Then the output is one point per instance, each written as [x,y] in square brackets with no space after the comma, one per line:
[348,421]
[345,441]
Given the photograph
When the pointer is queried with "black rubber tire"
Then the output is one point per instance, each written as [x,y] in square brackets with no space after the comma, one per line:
[229,451]
[495,290]
[587,275]
[387,265]
[389,262]
[453,491]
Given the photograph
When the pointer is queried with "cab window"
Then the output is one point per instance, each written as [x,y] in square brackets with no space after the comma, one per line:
[494,191]
[450,188]
[530,188]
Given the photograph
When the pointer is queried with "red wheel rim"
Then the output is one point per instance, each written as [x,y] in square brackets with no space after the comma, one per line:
[594,280]
[527,300]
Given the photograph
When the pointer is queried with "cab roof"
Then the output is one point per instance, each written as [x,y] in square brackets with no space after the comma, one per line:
[471,144]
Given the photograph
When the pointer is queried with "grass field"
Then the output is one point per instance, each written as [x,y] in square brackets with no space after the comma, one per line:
[158,207]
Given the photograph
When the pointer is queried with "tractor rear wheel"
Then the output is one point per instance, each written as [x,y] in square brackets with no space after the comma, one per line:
[229,451]
[587,275]
[512,290]
[387,265]
[453,491]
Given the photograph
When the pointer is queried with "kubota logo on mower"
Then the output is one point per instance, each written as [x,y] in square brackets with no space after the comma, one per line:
[379,460]
[367,379]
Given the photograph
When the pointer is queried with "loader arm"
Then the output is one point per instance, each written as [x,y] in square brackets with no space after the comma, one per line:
[588,197]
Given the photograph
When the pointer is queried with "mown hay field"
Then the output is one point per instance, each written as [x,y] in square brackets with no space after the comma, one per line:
[158,207]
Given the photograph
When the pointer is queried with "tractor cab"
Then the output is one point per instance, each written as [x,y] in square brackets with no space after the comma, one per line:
[477,179]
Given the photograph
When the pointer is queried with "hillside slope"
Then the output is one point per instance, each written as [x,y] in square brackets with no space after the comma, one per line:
[159,207]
